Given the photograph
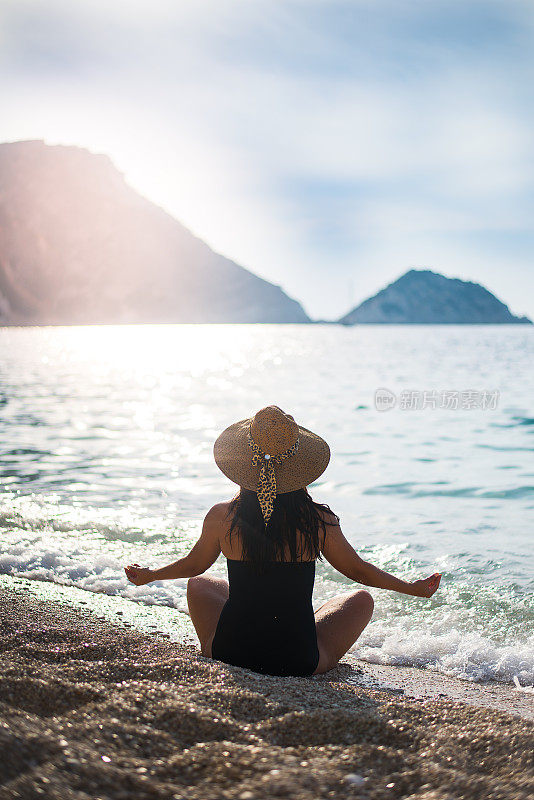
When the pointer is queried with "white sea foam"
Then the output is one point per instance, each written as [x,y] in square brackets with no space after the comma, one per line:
[457,651]
[101,574]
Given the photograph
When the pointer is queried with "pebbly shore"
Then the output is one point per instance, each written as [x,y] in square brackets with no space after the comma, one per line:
[89,709]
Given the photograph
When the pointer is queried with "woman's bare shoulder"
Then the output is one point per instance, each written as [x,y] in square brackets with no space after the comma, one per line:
[219,512]
[328,516]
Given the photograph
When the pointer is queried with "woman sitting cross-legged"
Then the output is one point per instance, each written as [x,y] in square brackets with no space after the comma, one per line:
[271,534]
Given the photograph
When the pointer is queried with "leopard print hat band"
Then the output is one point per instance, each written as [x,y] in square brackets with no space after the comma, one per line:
[267,477]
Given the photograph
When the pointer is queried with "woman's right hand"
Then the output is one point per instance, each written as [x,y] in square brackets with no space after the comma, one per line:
[138,575]
[427,586]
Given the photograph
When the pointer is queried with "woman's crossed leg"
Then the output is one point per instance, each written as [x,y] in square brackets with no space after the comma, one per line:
[339,622]
[206,597]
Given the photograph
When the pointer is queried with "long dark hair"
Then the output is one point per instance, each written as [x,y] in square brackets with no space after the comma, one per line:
[292,512]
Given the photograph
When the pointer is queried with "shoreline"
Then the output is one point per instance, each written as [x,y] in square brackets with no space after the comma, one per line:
[423,684]
[175,625]
[90,708]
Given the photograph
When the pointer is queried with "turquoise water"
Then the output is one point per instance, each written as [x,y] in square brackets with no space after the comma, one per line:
[106,438]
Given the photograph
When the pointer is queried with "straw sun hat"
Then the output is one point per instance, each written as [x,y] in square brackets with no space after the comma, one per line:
[270,454]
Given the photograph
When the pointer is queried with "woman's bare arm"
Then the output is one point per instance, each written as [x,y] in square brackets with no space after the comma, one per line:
[343,557]
[198,560]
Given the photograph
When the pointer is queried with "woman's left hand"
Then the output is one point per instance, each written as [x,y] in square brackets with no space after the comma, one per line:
[427,586]
[138,575]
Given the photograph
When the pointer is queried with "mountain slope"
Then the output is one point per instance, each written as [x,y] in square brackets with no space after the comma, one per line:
[78,245]
[425,297]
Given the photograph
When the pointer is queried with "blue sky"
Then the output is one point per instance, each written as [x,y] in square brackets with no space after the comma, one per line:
[327,146]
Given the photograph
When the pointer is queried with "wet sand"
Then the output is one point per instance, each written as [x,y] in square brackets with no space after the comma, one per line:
[424,684]
[89,709]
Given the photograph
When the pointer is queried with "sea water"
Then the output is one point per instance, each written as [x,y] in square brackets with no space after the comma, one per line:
[106,437]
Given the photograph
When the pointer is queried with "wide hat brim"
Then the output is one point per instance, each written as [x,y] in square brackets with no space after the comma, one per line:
[233,455]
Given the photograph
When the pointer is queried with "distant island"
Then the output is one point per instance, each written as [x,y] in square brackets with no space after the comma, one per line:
[423,297]
[79,246]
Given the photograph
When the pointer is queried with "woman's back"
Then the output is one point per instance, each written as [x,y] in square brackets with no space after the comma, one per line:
[232,546]
[284,585]
[267,623]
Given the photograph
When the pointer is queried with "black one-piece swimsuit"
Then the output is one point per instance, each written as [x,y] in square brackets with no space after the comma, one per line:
[267,623]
